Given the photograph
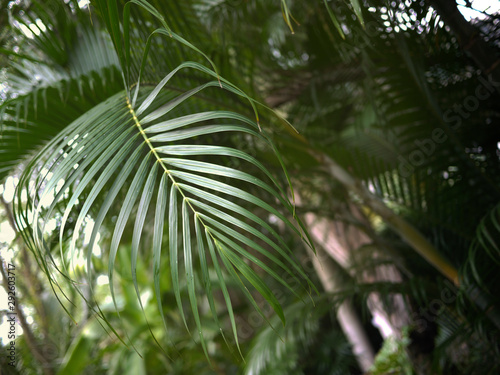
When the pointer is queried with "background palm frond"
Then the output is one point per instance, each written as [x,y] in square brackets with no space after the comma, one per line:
[115,113]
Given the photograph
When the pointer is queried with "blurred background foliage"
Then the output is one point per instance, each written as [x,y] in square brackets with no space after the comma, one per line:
[401,98]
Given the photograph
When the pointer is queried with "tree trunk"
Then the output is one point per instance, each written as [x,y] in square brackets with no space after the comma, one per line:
[340,241]
[346,314]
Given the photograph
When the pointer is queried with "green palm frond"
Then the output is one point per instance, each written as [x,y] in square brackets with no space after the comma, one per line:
[39,21]
[151,159]
[484,256]
[147,147]
[134,128]
[273,354]
[378,119]
[92,51]
[306,345]
[29,121]
[43,97]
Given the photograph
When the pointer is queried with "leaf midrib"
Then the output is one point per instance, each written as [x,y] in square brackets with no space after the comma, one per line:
[167,171]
